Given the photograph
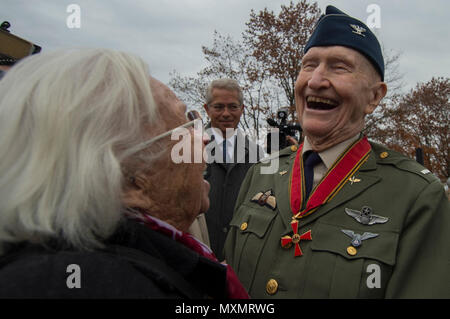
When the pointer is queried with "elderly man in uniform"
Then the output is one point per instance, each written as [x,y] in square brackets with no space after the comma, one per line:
[343,217]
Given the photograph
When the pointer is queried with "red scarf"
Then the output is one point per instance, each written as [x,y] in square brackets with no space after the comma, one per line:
[235,290]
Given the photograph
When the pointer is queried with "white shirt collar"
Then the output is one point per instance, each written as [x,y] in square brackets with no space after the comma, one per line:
[218,138]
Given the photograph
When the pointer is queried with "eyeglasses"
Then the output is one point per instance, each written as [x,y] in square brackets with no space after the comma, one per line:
[221,107]
[195,118]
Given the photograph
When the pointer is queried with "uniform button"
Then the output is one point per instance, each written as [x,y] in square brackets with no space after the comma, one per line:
[244,226]
[272,287]
[225,229]
[351,250]
[384,155]
[294,148]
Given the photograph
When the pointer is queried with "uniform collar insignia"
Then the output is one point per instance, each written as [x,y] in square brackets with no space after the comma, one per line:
[357,238]
[358,29]
[353,179]
[265,199]
[365,216]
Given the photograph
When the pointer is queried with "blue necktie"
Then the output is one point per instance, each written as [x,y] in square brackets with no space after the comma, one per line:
[311,160]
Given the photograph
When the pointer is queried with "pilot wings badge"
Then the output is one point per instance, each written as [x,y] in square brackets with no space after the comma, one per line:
[358,29]
[358,238]
[365,216]
[265,199]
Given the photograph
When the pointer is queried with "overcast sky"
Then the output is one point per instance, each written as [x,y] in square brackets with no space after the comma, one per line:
[169,34]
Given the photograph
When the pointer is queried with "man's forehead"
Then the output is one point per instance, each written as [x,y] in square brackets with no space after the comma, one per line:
[341,53]
[224,91]
[334,51]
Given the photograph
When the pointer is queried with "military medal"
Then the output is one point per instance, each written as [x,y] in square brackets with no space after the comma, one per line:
[337,176]
[287,241]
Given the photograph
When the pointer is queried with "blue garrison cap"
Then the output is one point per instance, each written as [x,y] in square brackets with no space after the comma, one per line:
[337,28]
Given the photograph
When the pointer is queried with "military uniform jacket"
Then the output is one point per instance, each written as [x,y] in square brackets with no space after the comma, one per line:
[409,257]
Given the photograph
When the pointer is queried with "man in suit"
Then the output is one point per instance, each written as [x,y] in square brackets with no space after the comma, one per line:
[343,217]
[231,155]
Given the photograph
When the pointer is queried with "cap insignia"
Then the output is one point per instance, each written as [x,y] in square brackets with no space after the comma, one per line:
[358,29]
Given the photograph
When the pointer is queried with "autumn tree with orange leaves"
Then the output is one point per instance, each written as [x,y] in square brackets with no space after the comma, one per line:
[421,119]
[266,63]
[278,43]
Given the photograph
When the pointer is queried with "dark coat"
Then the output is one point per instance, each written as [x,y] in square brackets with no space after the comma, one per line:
[137,263]
[225,181]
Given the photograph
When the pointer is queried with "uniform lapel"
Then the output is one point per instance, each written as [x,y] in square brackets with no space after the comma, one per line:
[282,189]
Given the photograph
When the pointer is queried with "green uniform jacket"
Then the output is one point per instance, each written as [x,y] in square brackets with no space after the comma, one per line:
[408,259]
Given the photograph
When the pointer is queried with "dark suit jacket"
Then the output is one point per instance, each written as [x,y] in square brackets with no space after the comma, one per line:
[225,181]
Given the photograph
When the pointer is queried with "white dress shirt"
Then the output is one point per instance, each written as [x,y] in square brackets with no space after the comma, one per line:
[230,141]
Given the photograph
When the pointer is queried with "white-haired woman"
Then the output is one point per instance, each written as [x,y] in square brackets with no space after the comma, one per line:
[91,204]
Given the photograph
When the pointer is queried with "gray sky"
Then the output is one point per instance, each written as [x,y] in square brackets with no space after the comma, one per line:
[168,34]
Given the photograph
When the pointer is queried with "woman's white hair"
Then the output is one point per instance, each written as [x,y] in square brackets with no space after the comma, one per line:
[66,119]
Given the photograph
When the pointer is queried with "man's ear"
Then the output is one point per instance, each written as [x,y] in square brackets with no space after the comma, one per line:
[378,92]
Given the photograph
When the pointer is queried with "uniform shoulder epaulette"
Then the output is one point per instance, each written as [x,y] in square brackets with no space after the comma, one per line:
[387,156]
[281,153]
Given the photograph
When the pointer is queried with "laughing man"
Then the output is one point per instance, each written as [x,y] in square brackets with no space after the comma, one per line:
[343,217]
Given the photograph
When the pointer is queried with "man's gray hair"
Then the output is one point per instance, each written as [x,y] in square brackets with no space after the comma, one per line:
[225,84]
[66,119]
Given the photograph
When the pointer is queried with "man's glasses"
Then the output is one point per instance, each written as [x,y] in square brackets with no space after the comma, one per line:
[219,108]
[195,118]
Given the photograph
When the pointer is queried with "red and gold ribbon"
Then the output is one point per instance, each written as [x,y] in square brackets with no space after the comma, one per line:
[344,167]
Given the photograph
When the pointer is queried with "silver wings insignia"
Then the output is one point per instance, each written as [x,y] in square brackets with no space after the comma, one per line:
[365,216]
[357,238]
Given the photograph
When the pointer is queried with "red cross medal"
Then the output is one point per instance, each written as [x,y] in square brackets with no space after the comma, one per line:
[287,241]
